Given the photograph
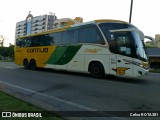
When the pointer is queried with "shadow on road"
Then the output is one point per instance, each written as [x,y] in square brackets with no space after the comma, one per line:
[141,80]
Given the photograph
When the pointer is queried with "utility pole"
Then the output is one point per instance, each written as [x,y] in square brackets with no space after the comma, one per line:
[130,16]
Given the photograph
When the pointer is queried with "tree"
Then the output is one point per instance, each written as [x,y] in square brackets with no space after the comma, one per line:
[157,37]
[7,52]
[151,45]
[11,51]
[2,40]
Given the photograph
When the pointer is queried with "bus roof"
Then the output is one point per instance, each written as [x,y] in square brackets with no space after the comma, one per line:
[99,21]
[76,25]
[110,20]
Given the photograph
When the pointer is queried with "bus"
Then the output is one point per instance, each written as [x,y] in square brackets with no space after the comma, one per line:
[99,47]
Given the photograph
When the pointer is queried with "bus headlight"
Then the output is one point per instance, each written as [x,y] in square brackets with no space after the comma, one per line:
[145,65]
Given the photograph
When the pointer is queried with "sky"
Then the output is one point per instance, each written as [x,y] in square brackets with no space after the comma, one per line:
[145,14]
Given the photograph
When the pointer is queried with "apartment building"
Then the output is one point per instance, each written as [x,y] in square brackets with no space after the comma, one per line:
[32,25]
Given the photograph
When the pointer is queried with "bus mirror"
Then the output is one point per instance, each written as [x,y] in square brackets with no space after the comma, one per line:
[151,39]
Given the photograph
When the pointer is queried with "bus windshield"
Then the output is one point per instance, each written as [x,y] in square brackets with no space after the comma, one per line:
[140,47]
[124,39]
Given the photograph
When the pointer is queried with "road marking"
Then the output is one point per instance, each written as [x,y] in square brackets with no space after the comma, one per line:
[9,67]
[57,99]
[44,95]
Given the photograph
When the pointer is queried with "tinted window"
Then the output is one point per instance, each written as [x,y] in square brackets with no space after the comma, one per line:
[119,42]
[41,40]
[106,27]
[124,44]
[140,47]
[57,37]
[90,34]
[70,37]
[34,41]
[65,39]
[19,42]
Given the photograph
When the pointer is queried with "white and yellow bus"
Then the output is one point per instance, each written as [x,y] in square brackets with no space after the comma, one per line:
[98,47]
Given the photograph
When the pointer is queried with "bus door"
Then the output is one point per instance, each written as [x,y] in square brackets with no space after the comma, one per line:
[121,45]
[124,54]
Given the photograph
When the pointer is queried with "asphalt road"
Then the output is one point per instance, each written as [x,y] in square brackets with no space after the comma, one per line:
[66,91]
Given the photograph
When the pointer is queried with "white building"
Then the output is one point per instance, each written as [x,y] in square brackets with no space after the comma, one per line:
[34,25]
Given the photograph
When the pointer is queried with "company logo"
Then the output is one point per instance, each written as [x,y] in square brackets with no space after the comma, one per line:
[120,70]
[23,114]
[6,114]
[37,50]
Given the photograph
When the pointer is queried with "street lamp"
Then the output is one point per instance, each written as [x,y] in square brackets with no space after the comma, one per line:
[130,16]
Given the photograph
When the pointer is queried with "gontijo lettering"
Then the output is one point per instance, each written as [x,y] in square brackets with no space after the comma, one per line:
[37,50]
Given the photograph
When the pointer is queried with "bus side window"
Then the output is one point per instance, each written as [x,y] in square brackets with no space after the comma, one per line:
[64,38]
[70,37]
[57,38]
[23,42]
[51,40]
[28,42]
[33,41]
[90,34]
[39,40]
[45,40]
[18,42]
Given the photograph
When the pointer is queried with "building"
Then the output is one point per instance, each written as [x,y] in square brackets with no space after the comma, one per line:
[67,21]
[154,55]
[157,37]
[33,25]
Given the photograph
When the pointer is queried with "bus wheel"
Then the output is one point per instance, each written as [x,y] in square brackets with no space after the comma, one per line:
[26,64]
[97,70]
[33,64]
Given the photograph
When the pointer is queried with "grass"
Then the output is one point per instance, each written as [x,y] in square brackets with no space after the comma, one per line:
[155,70]
[12,104]
[6,60]
[150,44]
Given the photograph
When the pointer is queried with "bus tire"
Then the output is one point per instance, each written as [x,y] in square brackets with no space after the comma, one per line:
[33,64]
[97,70]
[26,64]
